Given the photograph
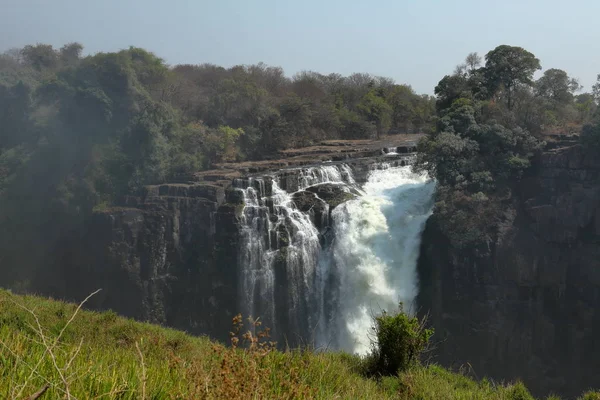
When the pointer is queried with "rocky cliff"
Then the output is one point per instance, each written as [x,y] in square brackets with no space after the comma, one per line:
[171,255]
[528,306]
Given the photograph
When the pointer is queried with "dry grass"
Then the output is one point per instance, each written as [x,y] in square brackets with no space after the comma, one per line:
[52,350]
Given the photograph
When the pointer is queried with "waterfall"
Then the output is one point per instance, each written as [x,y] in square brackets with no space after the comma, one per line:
[377,240]
[314,290]
[279,253]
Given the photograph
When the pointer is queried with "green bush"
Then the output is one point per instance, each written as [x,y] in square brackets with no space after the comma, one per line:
[591,396]
[520,392]
[400,340]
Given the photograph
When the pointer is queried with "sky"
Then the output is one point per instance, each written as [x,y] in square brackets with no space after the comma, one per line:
[415,42]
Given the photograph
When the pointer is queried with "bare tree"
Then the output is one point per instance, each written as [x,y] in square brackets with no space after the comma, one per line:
[473,61]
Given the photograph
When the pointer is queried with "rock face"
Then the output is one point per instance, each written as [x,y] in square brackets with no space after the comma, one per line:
[170,260]
[529,307]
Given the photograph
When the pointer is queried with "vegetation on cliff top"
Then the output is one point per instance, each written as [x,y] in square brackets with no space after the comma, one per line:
[491,122]
[51,347]
[78,133]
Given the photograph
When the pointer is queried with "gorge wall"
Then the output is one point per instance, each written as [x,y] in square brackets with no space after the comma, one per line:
[528,306]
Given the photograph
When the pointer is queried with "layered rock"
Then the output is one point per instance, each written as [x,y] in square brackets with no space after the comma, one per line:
[529,306]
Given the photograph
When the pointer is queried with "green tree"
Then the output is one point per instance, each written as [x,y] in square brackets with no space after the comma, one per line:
[402,100]
[586,107]
[596,89]
[40,56]
[509,66]
[376,111]
[450,88]
[556,86]
[70,53]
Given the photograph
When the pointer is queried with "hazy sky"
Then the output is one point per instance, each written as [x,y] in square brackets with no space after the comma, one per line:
[414,42]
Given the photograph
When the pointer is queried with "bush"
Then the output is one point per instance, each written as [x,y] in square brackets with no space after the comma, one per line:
[400,340]
[591,396]
[590,136]
[519,392]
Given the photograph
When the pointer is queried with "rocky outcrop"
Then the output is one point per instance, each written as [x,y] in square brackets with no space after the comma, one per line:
[333,194]
[528,306]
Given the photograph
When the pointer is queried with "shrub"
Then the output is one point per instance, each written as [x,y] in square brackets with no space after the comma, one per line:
[590,136]
[400,340]
[591,396]
[519,392]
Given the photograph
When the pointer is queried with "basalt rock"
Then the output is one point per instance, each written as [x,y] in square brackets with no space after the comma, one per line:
[309,203]
[333,194]
[529,306]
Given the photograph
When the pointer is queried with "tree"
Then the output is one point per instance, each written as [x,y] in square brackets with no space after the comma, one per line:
[40,56]
[70,53]
[450,88]
[586,107]
[377,111]
[473,61]
[401,99]
[596,89]
[555,85]
[509,66]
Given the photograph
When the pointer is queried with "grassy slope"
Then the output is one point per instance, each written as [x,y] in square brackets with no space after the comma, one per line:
[101,355]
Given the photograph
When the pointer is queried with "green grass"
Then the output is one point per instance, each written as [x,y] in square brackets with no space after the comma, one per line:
[104,356]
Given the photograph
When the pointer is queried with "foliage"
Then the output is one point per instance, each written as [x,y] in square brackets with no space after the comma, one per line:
[377,111]
[83,132]
[53,346]
[481,146]
[399,341]
[590,396]
[474,165]
[509,66]
[596,89]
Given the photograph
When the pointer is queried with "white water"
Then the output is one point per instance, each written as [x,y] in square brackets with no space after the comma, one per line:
[328,295]
[376,249]
[270,223]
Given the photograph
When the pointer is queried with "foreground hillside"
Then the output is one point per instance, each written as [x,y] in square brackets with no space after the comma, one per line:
[51,350]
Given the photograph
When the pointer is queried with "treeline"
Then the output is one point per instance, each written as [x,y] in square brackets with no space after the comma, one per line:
[491,121]
[129,112]
[77,133]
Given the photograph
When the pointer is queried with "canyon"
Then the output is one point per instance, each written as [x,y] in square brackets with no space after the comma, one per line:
[191,254]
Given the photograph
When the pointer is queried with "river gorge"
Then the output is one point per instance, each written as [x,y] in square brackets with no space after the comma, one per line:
[317,242]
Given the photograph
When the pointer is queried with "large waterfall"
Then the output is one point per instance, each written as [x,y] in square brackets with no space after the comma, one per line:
[312,287]
[376,249]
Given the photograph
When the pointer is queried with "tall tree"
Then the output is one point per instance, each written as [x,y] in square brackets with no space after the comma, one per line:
[473,61]
[510,66]
[557,86]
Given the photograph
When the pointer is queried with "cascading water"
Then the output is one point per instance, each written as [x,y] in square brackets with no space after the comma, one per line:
[279,252]
[375,251]
[322,292]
